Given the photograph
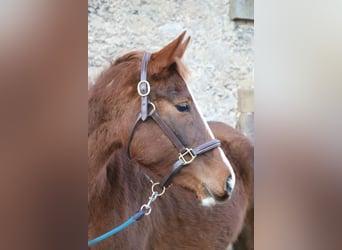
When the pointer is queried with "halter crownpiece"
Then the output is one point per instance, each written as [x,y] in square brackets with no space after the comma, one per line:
[186,155]
[144,87]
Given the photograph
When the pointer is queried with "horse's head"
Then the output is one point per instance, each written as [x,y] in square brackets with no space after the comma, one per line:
[209,175]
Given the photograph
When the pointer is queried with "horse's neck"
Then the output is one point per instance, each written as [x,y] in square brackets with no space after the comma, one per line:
[129,187]
[120,190]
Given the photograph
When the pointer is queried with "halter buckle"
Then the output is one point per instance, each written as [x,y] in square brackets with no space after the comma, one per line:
[185,156]
[143,88]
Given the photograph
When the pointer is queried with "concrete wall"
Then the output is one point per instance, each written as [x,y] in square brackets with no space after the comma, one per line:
[220,56]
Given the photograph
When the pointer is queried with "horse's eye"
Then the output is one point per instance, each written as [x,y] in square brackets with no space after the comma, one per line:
[183,107]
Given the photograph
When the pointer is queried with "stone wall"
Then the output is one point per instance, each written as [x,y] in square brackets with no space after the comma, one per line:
[220,56]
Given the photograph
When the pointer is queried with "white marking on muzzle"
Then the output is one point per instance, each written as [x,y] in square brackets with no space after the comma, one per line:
[223,156]
[208,202]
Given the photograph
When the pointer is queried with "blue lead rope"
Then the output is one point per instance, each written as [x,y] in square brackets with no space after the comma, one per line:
[137,216]
[144,210]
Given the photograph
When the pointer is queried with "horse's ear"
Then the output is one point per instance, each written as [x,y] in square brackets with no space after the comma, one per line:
[163,59]
[181,48]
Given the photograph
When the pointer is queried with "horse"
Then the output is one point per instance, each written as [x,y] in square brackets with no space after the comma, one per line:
[146,135]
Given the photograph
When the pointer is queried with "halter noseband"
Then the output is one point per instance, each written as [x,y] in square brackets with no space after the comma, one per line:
[186,155]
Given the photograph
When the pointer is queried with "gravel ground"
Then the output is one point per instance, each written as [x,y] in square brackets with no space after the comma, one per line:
[220,56]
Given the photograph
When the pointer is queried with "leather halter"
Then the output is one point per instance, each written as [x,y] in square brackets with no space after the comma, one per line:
[186,155]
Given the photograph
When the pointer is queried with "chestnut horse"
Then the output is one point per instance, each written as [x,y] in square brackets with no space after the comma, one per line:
[144,126]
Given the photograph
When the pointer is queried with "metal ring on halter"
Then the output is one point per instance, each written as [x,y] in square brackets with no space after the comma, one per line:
[146,208]
[153,108]
[148,88]
[158,194]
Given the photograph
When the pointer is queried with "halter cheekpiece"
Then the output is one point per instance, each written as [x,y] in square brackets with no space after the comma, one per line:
[186,155]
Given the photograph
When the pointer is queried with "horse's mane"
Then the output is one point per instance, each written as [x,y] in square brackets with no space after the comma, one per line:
[131,56]
[108,91]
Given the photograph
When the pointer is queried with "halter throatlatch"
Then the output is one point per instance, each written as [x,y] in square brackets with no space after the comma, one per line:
[186,155]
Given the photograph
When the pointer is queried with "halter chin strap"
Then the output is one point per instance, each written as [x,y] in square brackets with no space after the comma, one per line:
[186,155]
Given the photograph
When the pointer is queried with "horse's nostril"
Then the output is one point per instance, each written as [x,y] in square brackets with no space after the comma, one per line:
[229,185]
